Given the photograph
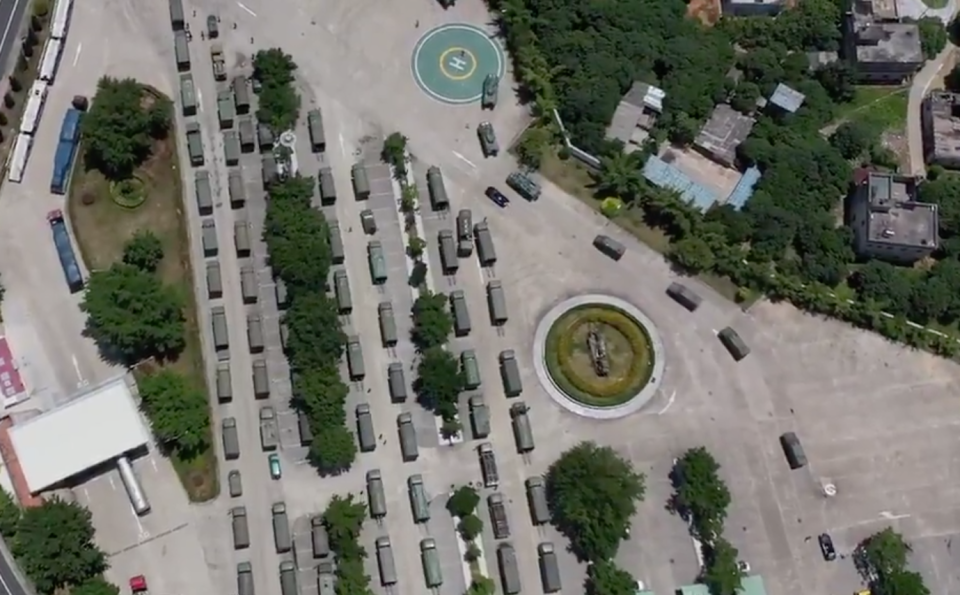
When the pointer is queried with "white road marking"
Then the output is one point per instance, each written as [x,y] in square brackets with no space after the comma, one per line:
[669,403]
[343,145]
[76,57]
[887,515]
[199,100]
[6,30]
[112,485]
[76,367]
[153,462]
[464,159]
[240,4]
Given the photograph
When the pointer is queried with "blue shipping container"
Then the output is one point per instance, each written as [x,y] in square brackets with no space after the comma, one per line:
[68,260]
[66,151]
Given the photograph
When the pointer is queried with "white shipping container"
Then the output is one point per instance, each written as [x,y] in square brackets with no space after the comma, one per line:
[19,157]
[51,60]
[61,19]
[34,108]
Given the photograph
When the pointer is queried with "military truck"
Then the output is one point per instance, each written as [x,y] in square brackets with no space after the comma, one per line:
[268,429]
[488,140]
[219,64]
[194,144]
[498,516]
[488,466]
[491,84]
[524,185]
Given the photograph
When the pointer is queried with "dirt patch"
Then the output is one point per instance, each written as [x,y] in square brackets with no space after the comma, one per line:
[706,11]
[102,227]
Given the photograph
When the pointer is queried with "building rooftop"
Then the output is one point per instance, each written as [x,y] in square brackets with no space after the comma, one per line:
[787,98]
[944,124]
[744,189]
[894,215]
[635,110]
[723,132]
[92,429]
[666,175]
[751,585]
[876,10]
[888,42]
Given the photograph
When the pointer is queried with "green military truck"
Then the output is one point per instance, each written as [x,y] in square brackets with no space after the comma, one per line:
[491,85]
[524,185]
[194,144]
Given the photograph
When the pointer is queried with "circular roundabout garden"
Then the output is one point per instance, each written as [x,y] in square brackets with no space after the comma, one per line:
[598,356]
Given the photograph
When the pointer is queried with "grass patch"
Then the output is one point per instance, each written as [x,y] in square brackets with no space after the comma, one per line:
[629,355]
[935,4]
[574,178]
[886,113]
[102,226]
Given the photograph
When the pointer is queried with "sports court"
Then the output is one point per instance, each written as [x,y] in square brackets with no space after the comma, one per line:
[450,62]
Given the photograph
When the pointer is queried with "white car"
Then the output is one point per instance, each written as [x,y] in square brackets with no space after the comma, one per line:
[743,566]
[641,587]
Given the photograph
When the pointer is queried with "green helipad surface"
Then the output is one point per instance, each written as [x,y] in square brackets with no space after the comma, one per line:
[451,61]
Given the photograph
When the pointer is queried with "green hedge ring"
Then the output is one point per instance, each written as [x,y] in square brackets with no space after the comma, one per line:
[630,355]
[129,193]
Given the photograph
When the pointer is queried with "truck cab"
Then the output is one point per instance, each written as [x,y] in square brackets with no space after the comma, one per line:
[138,584]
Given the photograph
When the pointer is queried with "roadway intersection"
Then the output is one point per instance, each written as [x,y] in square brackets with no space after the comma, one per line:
[876,420]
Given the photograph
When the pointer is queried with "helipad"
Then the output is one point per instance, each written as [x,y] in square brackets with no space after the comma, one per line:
[450,62]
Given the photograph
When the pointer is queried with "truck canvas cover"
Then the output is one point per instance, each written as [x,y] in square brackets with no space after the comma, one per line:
[361,184]
[238,195]
[328,191]
[188,95]
[448,252]
[388,325]
[437,189]
[315,126]
[396,382]
[214,281]
[231,147]
[201,185]
[377,499]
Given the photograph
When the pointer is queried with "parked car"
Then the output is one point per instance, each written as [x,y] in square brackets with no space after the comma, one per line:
[499,198]
[275,471]
[826,547]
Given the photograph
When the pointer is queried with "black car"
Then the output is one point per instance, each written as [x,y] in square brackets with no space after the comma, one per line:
[826,547]
[497,197]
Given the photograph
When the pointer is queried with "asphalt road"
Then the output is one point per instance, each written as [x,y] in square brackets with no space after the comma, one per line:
[11,15]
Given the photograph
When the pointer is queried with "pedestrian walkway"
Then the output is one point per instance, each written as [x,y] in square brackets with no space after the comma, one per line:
[450,62]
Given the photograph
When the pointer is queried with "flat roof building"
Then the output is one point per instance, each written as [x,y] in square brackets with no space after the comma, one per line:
[92,429]
[663,174]
[787,98]
[752,8]
[888,221]
[879,45]
[723,133]
[637,112]
[940,124]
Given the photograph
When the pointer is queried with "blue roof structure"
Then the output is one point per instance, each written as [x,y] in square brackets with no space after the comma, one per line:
[664,175]
[744,188]
[787,98]
[751,585]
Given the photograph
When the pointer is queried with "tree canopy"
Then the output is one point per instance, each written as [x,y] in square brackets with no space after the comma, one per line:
[721,572]
[279,103]
[701,496]
[10,514]
[463,501]
[297,235]
[344,519]
[95,586]
[120,128]
[439,382]
[882,561]
[132,315]
[432,323]
[144,251]
[604,577]
[55,546]
[178,412]
[592,493]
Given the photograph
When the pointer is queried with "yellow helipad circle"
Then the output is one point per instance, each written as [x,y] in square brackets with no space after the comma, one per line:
[465,56]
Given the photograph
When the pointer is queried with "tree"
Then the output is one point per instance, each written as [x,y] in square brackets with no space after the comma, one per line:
[885,552]
[604,577]
[745,101]
[472,554]
[333,450]
[933,36]
[721,572]
[416,247]
[15,84]
[144,251]
[343,520]
[279,104]
[482,585]
[952,80]
[619,176]
[297,236]
[395,153]
[10,514]
[418,275]
[700,495]
[463,501]
[55,546]
[316,338]
[432,323]
[851,139]
[533,144]
[470,527]
[901,582]
[439,382]
[132,315]
[95,586]
[120,127]
[450,428]
[693,254]
[321,394]
[592,493]
[177,410]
